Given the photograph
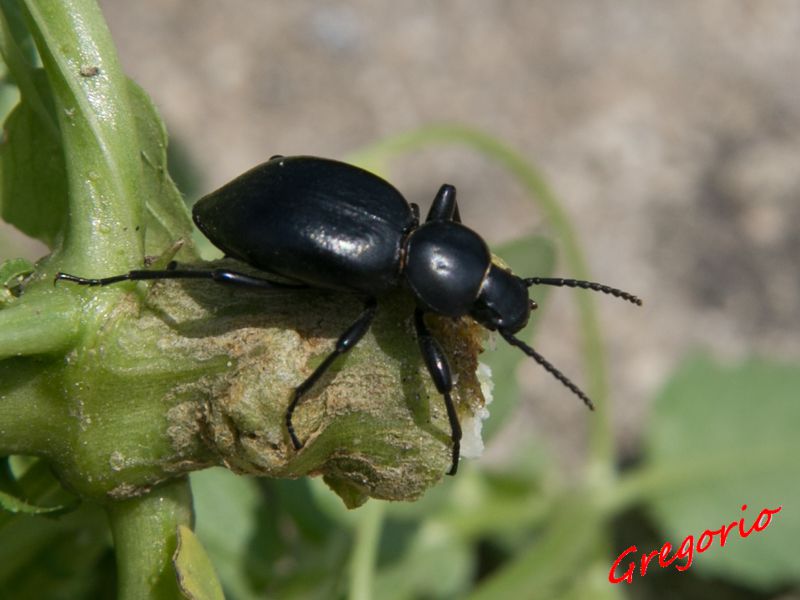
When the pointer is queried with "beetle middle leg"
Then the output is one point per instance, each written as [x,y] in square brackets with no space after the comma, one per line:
[346,342]
[444,206]
[439,369]
[415,212]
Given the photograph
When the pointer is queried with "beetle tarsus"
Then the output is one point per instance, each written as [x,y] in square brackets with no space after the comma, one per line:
[289,427]
[89,281]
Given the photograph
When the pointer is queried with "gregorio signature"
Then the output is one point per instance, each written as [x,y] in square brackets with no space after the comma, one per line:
[683,556]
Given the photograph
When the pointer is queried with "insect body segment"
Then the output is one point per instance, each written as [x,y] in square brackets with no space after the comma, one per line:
[326,224]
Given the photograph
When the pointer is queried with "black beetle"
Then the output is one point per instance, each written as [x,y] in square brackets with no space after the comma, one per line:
[326,224]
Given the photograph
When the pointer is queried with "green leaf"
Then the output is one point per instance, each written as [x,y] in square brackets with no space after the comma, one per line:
[19,58]
[284,547]
[13,504]
[12,272]
[166,216]
[722,437]
[527,256]
[591,581]
[548,565]
[9,94]
[196,577]
[33,177]
[33,186]
[67,557]
[34,492]
[16,28]
[226,510]
[433,564]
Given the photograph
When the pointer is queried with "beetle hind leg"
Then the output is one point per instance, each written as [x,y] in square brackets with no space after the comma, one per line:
[346,342]
[224,276]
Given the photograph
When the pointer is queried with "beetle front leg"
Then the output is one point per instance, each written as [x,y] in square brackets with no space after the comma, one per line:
[439,369]
[346,342]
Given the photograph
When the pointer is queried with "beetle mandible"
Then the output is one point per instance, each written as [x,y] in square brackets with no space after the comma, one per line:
[322,223]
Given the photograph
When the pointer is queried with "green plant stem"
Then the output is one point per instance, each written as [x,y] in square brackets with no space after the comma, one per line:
[364,557]
[144,531]
[98,135]
[601,438]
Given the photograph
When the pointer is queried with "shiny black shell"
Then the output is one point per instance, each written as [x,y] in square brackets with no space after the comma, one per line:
[313,220]
[446,266]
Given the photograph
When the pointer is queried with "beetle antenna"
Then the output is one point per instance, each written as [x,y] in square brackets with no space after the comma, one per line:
[586,285]
[548,366]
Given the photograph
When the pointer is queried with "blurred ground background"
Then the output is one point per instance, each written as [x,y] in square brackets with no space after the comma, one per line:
[671,130]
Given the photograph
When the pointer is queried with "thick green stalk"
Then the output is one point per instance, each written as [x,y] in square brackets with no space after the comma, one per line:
[144,531]
[364,558]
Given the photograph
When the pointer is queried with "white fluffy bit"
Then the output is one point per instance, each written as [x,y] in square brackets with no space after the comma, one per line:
[471,440]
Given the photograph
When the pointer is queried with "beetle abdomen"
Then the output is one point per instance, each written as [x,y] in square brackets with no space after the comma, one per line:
[313,220]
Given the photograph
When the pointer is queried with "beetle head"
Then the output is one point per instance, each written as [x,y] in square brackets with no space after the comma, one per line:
[503,305]
[502,302]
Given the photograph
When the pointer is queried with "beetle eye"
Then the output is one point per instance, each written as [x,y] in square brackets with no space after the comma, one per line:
[532,304]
